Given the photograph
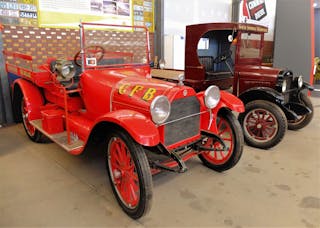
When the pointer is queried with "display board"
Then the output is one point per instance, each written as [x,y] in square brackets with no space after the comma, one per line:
[61,13]
[143,13]
[19,12]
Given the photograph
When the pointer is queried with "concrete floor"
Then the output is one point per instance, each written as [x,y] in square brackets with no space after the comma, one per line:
[41,185]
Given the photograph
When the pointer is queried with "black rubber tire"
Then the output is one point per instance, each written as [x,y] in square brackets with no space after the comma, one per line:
[237,142]
[35,136]
[305,119]
[280,119]
[142,168]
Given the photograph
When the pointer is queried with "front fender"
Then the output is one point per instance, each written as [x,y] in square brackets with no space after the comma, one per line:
[140,128]
[230,101]
[32,96]
[262,93]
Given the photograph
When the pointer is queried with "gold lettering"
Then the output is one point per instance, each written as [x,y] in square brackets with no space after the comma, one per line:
[149,94]
[135,89]
[122,88]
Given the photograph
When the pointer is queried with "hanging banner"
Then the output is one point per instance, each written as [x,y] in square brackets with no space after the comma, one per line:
[62,13]
[261,12]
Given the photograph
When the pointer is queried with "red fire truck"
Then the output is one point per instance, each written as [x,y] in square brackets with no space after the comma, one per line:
[104,93]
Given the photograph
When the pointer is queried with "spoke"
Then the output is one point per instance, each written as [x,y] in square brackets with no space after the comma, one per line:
[227,139]
[133,196]
[224,130]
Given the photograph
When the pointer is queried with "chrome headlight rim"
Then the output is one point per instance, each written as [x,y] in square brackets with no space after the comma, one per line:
[300,81]
[160,105]
[212,96]
[284,86]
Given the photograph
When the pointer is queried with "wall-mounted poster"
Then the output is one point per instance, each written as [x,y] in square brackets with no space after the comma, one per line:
[143,11]
[62,13]
[19,12]
[261,12]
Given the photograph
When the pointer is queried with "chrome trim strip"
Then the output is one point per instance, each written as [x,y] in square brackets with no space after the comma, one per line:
[185,117]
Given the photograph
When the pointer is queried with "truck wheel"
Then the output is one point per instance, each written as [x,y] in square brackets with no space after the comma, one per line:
[230,131]
[129,174]
[31,131]
[305,119]
[264,124]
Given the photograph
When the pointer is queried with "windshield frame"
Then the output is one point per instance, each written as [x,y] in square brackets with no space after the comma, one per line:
[112,27]
[253,60]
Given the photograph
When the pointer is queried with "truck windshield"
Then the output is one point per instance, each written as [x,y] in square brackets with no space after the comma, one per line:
[250,45]
[106,45]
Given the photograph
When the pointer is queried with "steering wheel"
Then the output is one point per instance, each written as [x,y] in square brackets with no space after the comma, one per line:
[94,51]
[223,56]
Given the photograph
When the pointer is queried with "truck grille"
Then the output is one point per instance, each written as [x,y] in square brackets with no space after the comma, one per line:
[289,86]
[182,122]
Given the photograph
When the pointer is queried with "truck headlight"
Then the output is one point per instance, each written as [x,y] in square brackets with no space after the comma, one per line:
[212,96]
[284,86]
[160,109]
[300,81]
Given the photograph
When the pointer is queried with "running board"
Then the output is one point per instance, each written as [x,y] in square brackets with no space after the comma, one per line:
[60,138]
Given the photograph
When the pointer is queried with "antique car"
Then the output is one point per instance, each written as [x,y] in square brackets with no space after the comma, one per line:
[229,55]
[101,91]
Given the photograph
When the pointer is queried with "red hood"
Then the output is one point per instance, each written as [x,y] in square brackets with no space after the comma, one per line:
[264,70]
[137,91]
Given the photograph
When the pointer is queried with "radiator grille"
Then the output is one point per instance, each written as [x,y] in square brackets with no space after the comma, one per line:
[183,128]
[290,85]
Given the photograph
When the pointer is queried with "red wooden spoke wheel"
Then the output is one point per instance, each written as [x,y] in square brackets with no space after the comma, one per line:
[261,125]
[129,173]
[230,132]
[225,132]
[123,173]
[264,124]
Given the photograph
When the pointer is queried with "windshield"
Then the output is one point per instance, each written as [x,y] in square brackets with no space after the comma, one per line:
[108,45]
[250,45]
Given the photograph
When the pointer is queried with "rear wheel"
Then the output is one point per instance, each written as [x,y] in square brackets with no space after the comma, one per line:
[264,124]
[31,131]
[304,120]
[129,173]
[230,132]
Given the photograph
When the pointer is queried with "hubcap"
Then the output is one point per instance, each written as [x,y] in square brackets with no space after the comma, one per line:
[123,172]
[225,132]
[260,125]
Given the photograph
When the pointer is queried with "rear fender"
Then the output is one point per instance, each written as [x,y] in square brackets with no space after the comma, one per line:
[32,96]
[139,127]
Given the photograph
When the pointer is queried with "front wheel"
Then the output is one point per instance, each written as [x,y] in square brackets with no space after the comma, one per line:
[230,132]
[304,120]
[129,174]
[264,124]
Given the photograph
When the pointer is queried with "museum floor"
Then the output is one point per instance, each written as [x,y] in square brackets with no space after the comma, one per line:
[42,185]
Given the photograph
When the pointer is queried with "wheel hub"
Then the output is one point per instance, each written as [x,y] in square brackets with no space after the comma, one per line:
[116,174]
